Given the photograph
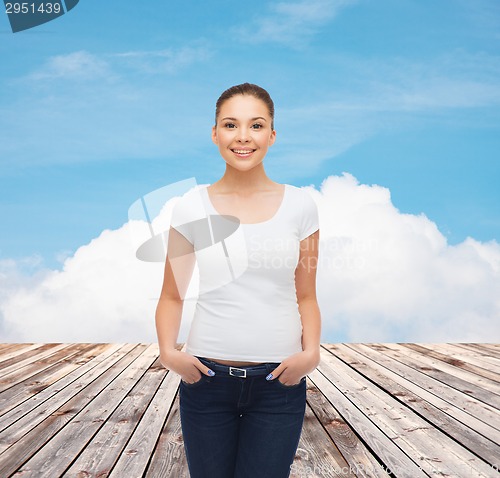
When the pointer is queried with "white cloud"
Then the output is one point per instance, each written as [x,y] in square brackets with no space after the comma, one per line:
[103,293]
[389,276]
[83,65]
[79,65]
[458,79]
[169,60]
[383,276]
[292,23]
[68,99]
[354,98]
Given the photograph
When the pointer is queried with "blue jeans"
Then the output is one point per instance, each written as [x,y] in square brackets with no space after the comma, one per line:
[236,427]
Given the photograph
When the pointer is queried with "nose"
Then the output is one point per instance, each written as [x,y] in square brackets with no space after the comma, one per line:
[243,135]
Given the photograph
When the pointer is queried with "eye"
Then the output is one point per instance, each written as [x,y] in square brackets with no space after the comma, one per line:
[229,125]
[257,126]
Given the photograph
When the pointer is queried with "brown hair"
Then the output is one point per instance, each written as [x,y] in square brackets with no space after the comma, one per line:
[246,89]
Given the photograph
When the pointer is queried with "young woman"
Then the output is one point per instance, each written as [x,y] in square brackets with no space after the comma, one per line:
[255,334]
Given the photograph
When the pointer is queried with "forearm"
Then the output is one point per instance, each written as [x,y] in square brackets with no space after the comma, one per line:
[311,327]
[168,320]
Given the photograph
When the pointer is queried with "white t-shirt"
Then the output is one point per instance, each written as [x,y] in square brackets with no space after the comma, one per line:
[246,308]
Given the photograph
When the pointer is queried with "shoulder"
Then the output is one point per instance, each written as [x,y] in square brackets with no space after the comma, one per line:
[189,206]
[302,201]
[297,189]
[300,194]
[302,204]
[305,210]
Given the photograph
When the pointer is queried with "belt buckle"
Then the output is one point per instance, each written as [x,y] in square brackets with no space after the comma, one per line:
[233,369]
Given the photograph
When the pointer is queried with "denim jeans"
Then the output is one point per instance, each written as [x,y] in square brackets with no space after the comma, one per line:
[236,427]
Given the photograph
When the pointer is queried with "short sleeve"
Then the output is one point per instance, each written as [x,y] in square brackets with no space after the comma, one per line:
[309,219]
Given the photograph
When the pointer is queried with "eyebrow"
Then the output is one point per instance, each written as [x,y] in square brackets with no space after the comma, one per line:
[252,119]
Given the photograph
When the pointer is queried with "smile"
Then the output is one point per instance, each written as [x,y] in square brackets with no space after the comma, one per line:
[243,152]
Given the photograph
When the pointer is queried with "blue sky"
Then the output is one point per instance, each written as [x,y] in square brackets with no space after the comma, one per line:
[106,104]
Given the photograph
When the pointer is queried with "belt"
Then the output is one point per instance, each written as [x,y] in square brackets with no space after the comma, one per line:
[241,372]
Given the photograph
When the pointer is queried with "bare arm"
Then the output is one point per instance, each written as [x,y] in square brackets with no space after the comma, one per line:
[300,364]
[305,284]
[179,265]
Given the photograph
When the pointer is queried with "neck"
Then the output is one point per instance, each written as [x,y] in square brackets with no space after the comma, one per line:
[242,181]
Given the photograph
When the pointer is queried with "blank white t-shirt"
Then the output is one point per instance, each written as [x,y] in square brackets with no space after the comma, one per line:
[246,308]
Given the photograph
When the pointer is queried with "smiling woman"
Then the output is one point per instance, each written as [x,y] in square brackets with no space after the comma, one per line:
[255,334]
[243,131]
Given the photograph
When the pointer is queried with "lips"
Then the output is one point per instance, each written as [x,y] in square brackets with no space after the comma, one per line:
[243,153]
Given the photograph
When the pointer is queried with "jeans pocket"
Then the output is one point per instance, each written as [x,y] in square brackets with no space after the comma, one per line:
[290,387]
[194,384]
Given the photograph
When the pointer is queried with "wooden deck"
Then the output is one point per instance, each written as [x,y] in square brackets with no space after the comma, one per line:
[373,410]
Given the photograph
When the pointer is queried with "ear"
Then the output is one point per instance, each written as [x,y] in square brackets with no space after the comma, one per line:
[272,138]
[214,135]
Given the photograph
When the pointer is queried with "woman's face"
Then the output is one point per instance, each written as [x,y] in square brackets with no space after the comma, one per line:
[243,131]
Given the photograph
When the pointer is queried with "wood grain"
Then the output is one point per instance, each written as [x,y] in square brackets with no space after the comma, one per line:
[373,410]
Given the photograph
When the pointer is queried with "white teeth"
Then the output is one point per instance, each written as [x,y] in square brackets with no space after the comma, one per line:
[239,151]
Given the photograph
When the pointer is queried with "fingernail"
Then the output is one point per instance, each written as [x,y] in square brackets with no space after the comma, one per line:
[269,377]
[211,372]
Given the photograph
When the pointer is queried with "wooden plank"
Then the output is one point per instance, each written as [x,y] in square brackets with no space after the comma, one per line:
[103,451]
[27,359]
[33,438]
[466,402]
[7,347]
[328,380]
[135,458]
[10,366]
[365,406]
[423,443]
[448,400]
[167,454]
[482,351]
[403,390]
[18,393]
[490,347]
[450,354]
[59,451]
[36,366]
[7,351]
[356,458]
[461,380]
[488,388]
[316,453]
[55,395]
